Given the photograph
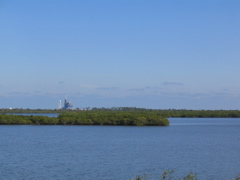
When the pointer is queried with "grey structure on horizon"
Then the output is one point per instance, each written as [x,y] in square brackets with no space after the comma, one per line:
[67,104]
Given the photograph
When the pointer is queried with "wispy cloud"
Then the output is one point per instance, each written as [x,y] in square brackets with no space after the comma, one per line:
[107,88]
[201,95]
[147,88]
[170,83]
[136,89]
[89,86]
[37,92]
[17,93]
[152,88]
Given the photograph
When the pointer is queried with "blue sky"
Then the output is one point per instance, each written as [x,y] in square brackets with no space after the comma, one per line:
[152,54]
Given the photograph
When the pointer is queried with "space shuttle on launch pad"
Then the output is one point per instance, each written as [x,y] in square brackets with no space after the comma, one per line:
[67,104]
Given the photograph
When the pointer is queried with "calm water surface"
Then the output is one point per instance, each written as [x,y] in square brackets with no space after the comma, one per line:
[36,114]
[208,147]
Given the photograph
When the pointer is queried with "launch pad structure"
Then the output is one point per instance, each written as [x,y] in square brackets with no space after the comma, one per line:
[67,104]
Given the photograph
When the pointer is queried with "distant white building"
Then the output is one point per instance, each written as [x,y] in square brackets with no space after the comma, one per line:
[67,104]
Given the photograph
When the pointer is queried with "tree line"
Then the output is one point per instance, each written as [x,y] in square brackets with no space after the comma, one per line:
[124,118]
[113,116]
[162,112]
[200,113]
[180,112]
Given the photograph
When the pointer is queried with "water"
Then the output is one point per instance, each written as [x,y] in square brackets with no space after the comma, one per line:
[208,147]
[36,114]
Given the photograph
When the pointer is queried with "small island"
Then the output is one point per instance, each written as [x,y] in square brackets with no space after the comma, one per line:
[121,118]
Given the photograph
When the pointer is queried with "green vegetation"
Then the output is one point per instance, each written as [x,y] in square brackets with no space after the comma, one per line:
[27,120]
[124,118]
[169,175]
[181,112]
[201,113]
[162,112]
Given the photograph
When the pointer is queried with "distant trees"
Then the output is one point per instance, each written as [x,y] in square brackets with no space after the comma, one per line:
[161,112]
[124,118]
[200,113]
[178,112]
[14,119]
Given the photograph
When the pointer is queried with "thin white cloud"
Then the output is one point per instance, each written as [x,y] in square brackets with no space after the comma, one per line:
[18,93]
[89,86]
[107,88]
[169,83]
[136,89]
[147,88]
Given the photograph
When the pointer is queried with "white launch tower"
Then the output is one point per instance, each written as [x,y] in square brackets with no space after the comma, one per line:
[67,104]
[59,104]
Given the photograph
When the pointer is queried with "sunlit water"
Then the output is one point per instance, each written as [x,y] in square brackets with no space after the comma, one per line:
[208,147]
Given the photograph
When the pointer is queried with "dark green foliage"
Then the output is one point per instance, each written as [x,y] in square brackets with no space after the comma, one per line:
[124,118]
[28,120]
[201,113]
[237,177]
[179,112]
[169,175]
[161,112]
[14,119]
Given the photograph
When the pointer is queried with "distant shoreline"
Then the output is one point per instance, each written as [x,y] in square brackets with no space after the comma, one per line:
[167,113]
[116,118]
